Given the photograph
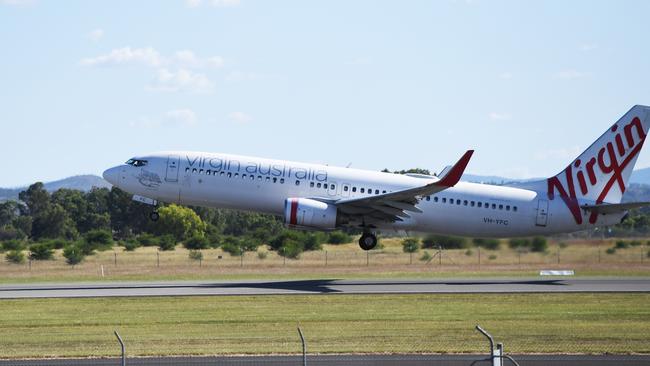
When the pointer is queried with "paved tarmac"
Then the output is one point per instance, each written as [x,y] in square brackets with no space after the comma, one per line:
[203,288]
[351,360]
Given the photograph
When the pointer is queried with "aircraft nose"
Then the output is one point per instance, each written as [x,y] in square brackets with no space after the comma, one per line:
[112,175]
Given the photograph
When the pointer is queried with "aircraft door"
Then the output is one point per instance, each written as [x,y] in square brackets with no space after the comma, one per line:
[173,162]
[542,213]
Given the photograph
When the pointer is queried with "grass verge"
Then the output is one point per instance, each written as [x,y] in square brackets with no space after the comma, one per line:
[531,323]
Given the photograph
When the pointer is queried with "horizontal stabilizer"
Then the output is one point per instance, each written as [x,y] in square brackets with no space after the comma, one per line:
[612,208]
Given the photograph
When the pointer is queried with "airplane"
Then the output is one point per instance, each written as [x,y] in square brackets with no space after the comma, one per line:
[586,194]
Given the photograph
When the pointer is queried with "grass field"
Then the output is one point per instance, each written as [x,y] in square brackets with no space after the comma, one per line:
[537,323]
[587,257]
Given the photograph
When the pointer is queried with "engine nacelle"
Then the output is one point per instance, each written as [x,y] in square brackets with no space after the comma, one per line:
[309,213]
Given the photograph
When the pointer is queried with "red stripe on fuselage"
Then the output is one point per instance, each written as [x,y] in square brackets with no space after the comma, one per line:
[293,220]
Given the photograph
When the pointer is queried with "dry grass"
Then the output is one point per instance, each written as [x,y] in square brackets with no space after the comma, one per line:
[587,257]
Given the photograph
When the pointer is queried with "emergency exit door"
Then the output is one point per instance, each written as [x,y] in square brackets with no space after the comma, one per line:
[542,213]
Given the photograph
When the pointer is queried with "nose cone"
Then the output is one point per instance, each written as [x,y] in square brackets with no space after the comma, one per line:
[112,175]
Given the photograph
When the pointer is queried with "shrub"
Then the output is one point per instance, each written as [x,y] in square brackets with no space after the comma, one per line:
[563,245]
[426,257]
[515,243]
[635,243]
[73,254]
[610,250]
[15,256]
[131,245]
[167,242]
[489,244]
[196,255]
[147,240]
[469,252]
[262,255]
[410,245]
[291,249]
[447,242]
[232,245]
[250,243]
[41,251]
[96,240]
[648,254]
[13,244]
[538,245]
[338,237]
[622,244]
[313,241]
[492,257]
[196,242]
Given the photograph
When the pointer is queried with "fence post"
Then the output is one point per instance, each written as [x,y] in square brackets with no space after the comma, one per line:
[479,257]
[304,347]
[119,339]
[367,258]
[115,258]
[158,258]
[326,258]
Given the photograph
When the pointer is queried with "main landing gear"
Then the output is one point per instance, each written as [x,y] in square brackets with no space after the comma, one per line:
[368,241]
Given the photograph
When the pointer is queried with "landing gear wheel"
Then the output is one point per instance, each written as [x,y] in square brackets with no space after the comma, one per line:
[368,241]
[154,216]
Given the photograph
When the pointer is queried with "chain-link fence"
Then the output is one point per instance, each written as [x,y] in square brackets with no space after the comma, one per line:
[484,351]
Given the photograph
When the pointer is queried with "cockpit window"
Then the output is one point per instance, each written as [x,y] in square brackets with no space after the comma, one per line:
[136,162]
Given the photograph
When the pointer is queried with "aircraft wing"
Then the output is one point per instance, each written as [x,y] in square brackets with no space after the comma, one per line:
[611,208]
[394,206]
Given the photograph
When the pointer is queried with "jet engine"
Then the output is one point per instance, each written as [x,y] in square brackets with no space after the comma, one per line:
[308,213]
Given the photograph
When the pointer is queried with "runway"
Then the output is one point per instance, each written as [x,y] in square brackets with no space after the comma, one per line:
[332,286]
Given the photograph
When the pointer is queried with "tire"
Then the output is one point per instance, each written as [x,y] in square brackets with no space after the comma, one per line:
[368,241]
[154,216]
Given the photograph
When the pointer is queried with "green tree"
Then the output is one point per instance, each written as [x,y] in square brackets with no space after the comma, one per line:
[196,242]
[489,244]
[447,242]
[41,251]
[195,255]
[181,222]
[167,242]
[410,245]
[73,254]
[36,199]
[338,237]
[538,244]
[96,240]
[54,222]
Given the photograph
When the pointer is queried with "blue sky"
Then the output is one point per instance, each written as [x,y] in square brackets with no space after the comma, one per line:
[85,85]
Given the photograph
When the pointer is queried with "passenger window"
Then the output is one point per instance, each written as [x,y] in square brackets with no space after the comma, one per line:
[332,186]
[318,185]
[376,191]
[194,171]
[444,200]
[259,177]
[428,198]
[208,172]
[435,199]
[236,175]
[222,173]
[275,179]
[472,203]
[345,188]
[458,202]
[487,205]
[297,182]
[187,170]
[311,184]
[382,192]
[480,204]
[465,203]
[500,207]
[362,190]
[514,208]
[494,206]
[200,171]
[243,176]
[507,207]
[281,180]
[252,177]
[354,189]
[229,175]
[268,179]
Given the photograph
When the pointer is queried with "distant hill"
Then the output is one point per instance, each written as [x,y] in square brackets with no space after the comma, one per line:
[79,182]
[639,176]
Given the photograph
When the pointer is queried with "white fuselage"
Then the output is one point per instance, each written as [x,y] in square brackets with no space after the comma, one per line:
[263,185]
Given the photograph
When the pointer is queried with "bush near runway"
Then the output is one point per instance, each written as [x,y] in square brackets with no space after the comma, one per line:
[526,323]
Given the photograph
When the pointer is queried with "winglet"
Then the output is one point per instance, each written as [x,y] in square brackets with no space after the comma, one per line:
[453,175]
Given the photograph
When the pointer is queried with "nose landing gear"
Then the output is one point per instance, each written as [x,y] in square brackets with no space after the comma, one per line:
[368,241]
[154,216]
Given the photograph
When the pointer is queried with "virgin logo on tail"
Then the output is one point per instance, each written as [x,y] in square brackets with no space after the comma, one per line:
[609,164]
